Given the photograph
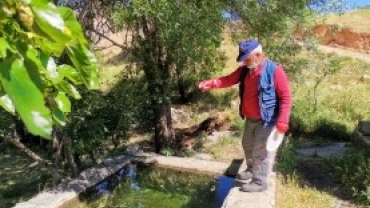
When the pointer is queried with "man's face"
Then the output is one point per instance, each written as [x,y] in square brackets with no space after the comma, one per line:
[253,58]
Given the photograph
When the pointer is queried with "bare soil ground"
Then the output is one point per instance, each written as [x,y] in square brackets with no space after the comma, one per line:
[333,35]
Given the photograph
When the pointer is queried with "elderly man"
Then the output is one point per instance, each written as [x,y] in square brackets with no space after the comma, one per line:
[265,103]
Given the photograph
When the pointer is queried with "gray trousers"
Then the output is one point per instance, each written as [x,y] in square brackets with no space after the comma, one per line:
[259,160]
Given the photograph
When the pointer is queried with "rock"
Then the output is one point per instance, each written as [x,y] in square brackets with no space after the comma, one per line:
[361,140]
[361,135]
[366,140]
[134,150]
[365,78]
[179,116]
[203,156]
[335,149]
[364,128]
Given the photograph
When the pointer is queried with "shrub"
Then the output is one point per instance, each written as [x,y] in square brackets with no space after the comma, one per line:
[353,173]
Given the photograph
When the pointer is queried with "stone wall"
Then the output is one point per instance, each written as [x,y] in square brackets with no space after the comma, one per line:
[361,135]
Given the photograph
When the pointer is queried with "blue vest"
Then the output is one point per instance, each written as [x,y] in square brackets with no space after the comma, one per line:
[268,102]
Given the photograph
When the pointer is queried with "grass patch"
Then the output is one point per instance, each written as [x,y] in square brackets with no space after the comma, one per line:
[338,106]
[321,182]
[291,194]
[297,184]
[226,149]
[110,76]
[357,20]
[353,173]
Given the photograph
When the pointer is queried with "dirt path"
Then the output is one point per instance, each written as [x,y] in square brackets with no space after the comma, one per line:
[346,53]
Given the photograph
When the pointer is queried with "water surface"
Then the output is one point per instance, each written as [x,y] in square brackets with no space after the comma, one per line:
[134,187]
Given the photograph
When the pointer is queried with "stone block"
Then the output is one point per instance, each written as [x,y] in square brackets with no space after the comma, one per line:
[364,128]
[360,140]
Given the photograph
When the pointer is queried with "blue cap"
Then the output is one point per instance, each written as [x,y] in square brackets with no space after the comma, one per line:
[245,48]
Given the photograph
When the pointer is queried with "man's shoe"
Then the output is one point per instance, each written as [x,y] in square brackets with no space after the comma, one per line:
[254,186]
[245,175]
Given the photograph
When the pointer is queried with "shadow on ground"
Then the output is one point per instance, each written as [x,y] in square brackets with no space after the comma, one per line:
[18,180]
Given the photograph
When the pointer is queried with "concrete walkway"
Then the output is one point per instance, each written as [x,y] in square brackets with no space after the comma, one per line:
[66,194]
[336,149]
[196,165]
[239,199]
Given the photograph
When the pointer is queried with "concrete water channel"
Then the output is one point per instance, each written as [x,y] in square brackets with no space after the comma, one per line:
[226,193]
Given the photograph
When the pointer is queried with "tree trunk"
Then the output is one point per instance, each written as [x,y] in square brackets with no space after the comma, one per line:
[77,159]
[164,133]
[92,156]
[68,153]
[56,149]
[158,74]
[181,88]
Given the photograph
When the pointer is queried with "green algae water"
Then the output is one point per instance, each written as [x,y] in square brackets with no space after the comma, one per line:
[134,187]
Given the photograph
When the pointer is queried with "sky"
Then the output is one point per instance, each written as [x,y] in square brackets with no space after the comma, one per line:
[335,6]
[357,2]
[347,4]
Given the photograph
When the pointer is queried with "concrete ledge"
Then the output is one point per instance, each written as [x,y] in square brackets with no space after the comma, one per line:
[238,199]
[361,134]
[66,194]
[196,165]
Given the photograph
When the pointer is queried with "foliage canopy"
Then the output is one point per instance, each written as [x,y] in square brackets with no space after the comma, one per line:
[37,40]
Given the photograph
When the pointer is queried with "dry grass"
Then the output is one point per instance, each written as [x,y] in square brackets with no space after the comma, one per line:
[290,194]
[358,20]
[231,50]
[109,76]
[340,96]
[226,149]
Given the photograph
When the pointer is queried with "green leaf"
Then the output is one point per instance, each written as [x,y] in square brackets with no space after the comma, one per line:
[85,62]
[51,68]
[4,46]
[50,22]
[5,12]
[26,97]
[64,86]
[72,25]
[36,2]
[6,102]
[50,47]
[34,66]
[63,102]
[71,73]
[59,116]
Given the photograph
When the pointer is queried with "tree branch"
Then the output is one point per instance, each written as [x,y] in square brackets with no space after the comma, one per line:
[109,39]
[15,140]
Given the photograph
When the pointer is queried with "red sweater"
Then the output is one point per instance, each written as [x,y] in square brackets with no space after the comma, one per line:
[250,108]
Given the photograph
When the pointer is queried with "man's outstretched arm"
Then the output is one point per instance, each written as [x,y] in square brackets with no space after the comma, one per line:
[220,82]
